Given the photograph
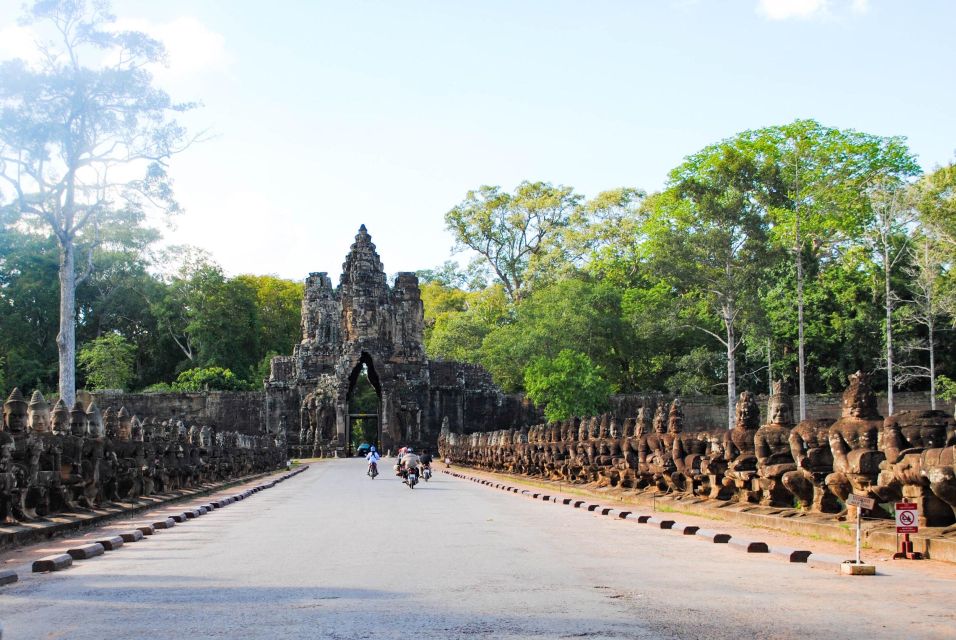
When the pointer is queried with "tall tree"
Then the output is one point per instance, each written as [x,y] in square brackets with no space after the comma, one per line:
[710,238]
[822,178]
[511,232]
[71,135]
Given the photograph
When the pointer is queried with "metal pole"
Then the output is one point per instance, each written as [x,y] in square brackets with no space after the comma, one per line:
[859,521]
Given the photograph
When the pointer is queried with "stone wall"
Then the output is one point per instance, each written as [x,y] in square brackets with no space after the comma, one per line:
[241,411]
[709,412]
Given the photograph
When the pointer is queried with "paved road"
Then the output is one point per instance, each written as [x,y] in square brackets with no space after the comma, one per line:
[332,554]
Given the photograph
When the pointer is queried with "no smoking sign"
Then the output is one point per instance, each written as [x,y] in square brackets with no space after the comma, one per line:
[906,517]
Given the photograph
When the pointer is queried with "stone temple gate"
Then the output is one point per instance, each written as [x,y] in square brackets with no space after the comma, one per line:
[364,324]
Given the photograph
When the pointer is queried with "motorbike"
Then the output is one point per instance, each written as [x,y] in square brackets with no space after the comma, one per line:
[372,470]
[411,478]
[426,473]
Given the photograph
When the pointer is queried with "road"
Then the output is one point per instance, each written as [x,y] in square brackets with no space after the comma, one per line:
[333,554]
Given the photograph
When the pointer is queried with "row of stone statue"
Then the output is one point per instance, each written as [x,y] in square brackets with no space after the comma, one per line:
[69,460]
[815,464]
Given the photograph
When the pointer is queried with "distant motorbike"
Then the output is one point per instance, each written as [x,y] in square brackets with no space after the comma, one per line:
[426,472]
[372,470]
[411,478]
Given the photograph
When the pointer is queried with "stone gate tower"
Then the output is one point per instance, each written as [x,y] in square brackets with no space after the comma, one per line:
[366,322]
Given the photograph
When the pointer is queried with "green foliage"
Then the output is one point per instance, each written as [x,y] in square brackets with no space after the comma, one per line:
[209,379]
[946,388]
[513,232]
[107,362]
[567,385]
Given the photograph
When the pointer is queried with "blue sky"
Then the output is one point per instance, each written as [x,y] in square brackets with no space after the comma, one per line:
[327,115]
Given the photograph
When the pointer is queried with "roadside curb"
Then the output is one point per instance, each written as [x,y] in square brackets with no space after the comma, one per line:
[87,550]
[787,554]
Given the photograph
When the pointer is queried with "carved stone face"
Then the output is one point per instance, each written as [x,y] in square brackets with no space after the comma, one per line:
[61,418]
[125,430]
[15,413]
[97,428]
[78,420]
[628,430]
[660,419]
[781,411]
[748,413]
[38,414]
[613,429]
[595,428]
[858,399]
[110,422]
[136,431]
[642,423]
[675,418]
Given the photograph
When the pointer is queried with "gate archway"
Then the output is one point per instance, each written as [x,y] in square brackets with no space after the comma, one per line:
[363,401]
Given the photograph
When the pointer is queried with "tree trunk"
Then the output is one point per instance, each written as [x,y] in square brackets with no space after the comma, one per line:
[801,359]
[889,327]
[66,338]
[731,371]
[931,326]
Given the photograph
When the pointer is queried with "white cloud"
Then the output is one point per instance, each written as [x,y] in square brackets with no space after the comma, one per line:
[191,48]
[809,9]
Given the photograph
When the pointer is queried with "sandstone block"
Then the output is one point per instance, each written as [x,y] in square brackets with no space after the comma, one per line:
[111,544]
[52,563]
[86,551]
[134,535]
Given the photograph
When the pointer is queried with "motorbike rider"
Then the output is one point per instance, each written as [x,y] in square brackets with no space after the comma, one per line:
[372,457]
[426,458]
[410,460]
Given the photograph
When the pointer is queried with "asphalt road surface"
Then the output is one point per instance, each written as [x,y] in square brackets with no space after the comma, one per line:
[334,554]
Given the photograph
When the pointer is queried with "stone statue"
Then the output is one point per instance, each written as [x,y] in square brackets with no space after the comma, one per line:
[854,440]
[772,448]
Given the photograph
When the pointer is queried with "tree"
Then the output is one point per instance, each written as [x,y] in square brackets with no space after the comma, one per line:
[819,202]
[71,135]
[208,379]
[567,385]
[925,273]
[888,234]
[511,231]
[107,362]
[710,239]
[936,204]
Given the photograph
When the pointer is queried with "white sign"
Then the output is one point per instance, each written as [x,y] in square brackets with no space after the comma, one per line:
[907,517]
[860,501]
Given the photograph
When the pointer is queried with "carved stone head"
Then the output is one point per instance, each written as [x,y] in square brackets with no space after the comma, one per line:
[594,428]
[780,406]
[748,413]
[110,422]
[660,419]
[628,429]
[124,431]
[136,431]
[642,424]
[859,401]
[61,418]
[675,417]
[97,428]
[614,430]
[15,412]
[78,420]
[38,414]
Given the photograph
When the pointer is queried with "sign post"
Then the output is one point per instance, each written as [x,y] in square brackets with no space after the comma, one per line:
[861,503]
[907,522]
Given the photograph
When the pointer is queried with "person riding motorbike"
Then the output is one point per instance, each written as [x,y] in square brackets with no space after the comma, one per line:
[426,460]
[372,458]
[410,460]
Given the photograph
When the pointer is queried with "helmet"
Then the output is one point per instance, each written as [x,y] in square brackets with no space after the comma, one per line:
[409,450]
[372,448]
